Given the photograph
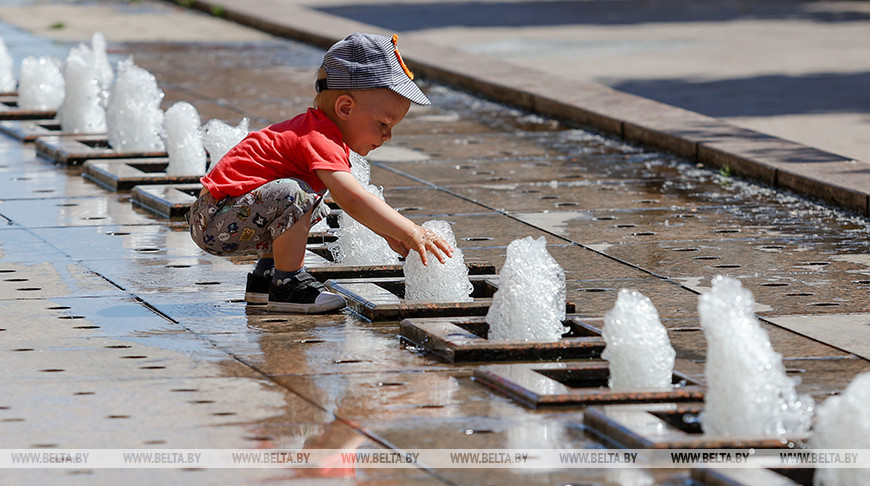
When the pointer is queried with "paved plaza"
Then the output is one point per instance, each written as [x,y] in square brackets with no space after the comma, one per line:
[119,333]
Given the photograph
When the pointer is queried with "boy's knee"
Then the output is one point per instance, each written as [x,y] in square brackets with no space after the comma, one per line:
[304,221]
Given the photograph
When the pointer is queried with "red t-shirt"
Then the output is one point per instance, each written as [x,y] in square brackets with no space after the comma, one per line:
[292,148]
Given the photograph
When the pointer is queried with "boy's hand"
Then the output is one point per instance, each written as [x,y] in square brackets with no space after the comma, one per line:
[422,241]
[379,217]
[397,245]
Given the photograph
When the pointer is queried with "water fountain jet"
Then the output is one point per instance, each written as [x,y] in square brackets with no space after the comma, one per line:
[135,121]
[638,350]
[84,106]
[105,74]
[8,84]
[41,86]
[438,282]
[748,391]
[218,138]
[356,244]
[843,422]
[183,140]
[530,301]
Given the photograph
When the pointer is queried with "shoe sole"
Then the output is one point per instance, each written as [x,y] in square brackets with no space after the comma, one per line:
[304,308]
[256,298]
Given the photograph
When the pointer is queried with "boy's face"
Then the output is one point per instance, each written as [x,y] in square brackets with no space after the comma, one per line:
[367,118]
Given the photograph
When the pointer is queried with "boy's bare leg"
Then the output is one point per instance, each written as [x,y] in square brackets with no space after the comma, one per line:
[288,249]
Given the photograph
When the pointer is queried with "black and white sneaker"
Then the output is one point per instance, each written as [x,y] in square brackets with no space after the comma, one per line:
[302,294]
[257,289]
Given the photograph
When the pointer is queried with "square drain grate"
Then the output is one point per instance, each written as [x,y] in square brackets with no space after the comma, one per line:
[30,130]
[575,383]
[668,426]
[124,174]
[166,200]
[75,149]
[9,110]
[465,339]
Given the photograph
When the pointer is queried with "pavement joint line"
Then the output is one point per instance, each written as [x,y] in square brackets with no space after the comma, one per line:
[849,355]
[150,306]
[702,139]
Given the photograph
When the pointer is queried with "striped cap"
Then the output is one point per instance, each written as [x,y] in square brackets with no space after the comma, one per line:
[367,61]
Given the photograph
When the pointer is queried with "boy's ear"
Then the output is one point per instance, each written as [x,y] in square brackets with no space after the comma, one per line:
[344,106]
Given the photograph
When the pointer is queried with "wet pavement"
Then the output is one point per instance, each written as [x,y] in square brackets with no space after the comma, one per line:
[118,332]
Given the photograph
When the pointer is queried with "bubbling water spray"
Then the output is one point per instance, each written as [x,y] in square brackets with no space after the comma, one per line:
[843,422]
[41,87]
[83,109]
[7,77]
[748,391]
[356,244]
[135,121]
[530,301]
[105,75]
[638,350]
[184,141]
[360,169]
[437,282]
[218,138]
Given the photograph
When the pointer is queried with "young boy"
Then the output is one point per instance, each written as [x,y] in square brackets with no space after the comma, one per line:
[266,192]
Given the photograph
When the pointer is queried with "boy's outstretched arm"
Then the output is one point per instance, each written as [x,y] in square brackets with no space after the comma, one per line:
[379,217]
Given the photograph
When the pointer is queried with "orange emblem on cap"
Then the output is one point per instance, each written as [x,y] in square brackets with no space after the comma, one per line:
[399,57]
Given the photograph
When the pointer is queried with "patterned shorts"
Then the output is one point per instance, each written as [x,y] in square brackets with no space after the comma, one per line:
[236,224]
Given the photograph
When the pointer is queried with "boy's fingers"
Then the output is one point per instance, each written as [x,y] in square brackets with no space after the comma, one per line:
[437,252]
[441,250]
[422,252]
[431,242]
[445,247]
